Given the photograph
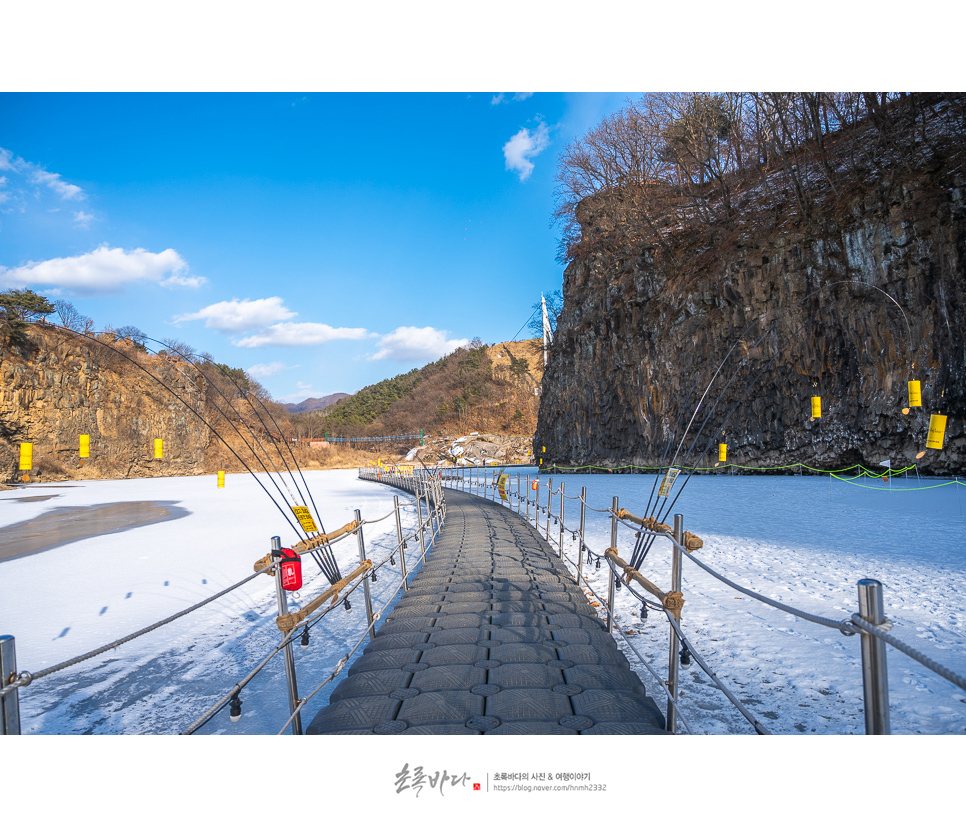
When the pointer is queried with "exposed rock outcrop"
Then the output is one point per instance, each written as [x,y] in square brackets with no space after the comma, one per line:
[877,296]
[58,386]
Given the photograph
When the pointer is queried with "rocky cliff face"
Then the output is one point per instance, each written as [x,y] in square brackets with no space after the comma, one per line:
[849,313]
[59,386]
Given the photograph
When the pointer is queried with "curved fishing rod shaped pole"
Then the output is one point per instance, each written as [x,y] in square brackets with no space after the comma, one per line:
[774,319]
[669,508]
[190,358]
[766,366]
[196,361]
[236,430]
[639,543]
[643,544]
[281,434]
[214,431]
[331,568]
[326,549]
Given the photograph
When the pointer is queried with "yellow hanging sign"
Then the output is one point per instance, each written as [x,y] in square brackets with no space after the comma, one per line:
[85,445]
[221,477]
[501,485]
[305,519]
[158,448]
[722,452]
[915,393]
[816,408]
[937,431]
[26,456]
[668,482]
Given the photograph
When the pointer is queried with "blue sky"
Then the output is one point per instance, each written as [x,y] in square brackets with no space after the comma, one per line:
[323,241]
[327,240]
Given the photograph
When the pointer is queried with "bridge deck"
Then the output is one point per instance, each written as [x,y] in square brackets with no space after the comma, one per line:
[492,637]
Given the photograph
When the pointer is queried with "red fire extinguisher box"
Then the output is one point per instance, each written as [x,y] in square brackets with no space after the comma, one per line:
[291,569]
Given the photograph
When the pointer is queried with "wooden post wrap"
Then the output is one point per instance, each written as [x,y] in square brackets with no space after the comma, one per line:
[289,621]
[691,541]
[673,601]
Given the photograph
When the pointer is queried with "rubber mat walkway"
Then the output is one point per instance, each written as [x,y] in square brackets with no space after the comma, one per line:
[492,637]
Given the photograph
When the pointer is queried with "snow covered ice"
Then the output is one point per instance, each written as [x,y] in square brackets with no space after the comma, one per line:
[804,541]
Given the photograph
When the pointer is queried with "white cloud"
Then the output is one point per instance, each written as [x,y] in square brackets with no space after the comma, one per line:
[57,185]
[523,146]
[301,334]
[238,316]
[306,391]
[82,219]
[499,98]
[39,175]
[105,270]
[269,369]
[405,343]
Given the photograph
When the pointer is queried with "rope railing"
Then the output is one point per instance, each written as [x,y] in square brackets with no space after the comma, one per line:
[299,620]
[721,466]
[652,529]
[26,678]
[362,576]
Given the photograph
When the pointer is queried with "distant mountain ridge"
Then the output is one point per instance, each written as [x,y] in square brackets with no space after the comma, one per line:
[476,388]
[314,403]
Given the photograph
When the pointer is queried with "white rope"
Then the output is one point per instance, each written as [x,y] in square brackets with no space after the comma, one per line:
[905,648]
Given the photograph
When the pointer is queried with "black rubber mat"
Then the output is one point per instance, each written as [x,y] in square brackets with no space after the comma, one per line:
[493,637]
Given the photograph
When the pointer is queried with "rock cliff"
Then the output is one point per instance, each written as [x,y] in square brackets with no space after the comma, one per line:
[58,386]
[848,309]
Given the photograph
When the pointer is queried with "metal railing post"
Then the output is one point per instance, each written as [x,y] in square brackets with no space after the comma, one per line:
[674,648]
[610,567]
[402,542]
[365,581]
[549,502]
[419,519]
[875,676]
[583,518]
[561,518]
[518,494]
[9,703]
[293,693]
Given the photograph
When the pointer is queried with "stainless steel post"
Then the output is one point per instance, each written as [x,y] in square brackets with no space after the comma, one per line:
[365,581]
[875,676]
[402,542]
[293,692]
[419,519]
[583,517]
[611,568]
[9,703]
[561,519]
[675,647]
[549,502]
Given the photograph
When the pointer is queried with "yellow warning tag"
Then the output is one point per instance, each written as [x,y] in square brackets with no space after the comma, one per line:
[668,482]
[501,484]
[305,519]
